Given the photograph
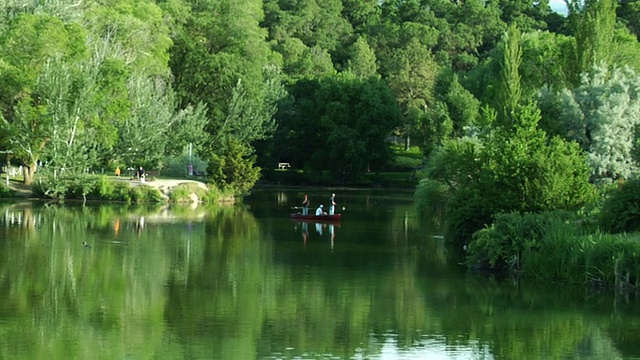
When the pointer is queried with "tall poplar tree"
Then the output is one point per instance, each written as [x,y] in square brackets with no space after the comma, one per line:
[510,91]
[594,24]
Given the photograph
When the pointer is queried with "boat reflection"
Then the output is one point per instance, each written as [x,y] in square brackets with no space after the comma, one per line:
[322,229]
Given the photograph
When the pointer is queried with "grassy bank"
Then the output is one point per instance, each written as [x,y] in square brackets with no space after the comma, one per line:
[111,188]
[558,247]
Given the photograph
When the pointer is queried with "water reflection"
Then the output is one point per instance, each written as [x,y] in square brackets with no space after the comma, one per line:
[228,283]
[323,229]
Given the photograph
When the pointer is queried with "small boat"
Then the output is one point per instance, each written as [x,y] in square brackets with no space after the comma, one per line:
[312,217]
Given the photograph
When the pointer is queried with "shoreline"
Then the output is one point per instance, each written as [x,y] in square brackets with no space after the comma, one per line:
[165,186]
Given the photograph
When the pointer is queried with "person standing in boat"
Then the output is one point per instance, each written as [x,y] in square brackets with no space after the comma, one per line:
[332,204]
[319,210]
[305,205]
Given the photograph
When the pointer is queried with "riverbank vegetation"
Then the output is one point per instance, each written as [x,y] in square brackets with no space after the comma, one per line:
[502,107]
[109,188]
[532,194]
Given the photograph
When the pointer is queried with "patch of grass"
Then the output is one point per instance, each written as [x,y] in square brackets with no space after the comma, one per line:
[182,192]
[406,160]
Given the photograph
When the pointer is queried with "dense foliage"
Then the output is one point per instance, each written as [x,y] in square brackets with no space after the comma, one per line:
[514,106]
[555,246]
[621,211]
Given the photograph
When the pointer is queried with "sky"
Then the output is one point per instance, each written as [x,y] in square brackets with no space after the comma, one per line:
[558,6]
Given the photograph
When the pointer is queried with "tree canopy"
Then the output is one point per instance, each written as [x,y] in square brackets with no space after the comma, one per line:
[323,84]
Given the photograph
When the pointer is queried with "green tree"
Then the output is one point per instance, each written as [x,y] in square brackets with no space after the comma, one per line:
[526,14]
[467,30]
[137,31]
[509,92]
[26,45]
[77,136]
[593,25]
[312,36]
[315,23]
[362,62]
[337,125]
[545,61]
[222,60]
[602,115]
[517,169]
[412,79]
[249,120]
[146,134]
[628,12]
[453,111]
[627,49]
[232,169]
[361,13]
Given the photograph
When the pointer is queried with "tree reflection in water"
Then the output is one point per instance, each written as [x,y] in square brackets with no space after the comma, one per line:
[222,282]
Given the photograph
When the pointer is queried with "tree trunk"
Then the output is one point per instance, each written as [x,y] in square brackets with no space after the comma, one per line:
[29,172]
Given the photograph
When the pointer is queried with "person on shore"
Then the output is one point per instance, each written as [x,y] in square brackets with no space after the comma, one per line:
[305,205]
[140,174]
[319,210]
[117,171]
[332,204]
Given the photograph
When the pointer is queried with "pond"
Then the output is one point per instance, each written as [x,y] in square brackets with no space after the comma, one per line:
[114,281]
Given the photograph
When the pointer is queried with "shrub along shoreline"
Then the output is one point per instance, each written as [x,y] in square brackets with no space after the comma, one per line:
[597,246]
[557,247]
[106,188]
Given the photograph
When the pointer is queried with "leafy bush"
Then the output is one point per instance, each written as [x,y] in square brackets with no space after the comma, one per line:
[515,169]
[5,192]
[121,192]
[81,185]
[502,244]
[621,210]
[431,196]
[555,246]
[182,192]
[105,188]
[233,169]
[145,193]
[94,187]
[215,195]
[50,186]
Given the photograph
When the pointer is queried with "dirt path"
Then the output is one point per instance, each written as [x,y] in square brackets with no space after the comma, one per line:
[165,185]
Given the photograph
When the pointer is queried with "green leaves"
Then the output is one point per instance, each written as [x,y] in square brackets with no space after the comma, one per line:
[232,168]
[339,125]
[602,115]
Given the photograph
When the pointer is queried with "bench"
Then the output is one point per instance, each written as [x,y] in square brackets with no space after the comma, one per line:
[151,173]
[283,166]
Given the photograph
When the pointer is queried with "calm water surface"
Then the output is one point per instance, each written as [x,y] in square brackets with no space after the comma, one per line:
[246,282]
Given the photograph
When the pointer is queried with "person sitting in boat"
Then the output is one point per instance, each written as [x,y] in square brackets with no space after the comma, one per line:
[319,210]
